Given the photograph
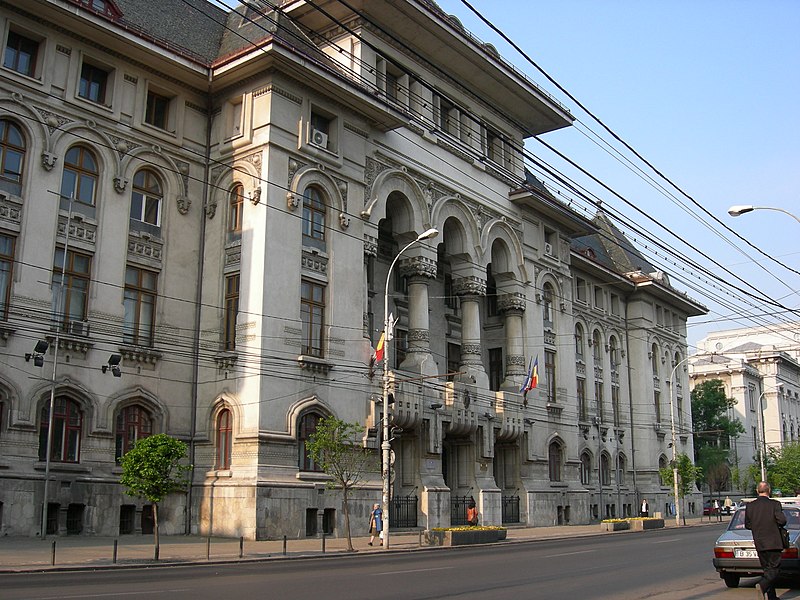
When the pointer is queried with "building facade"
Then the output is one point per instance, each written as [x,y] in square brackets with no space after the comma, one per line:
[198,213]
[759,369]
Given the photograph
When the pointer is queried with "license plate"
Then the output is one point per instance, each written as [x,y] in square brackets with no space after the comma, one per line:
[739,553]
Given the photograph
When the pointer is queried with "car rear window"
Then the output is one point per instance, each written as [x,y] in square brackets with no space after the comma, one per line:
[792,518]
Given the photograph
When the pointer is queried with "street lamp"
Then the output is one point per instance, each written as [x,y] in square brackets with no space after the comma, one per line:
[672,401]
[762,447]
[386,445]
[740,209]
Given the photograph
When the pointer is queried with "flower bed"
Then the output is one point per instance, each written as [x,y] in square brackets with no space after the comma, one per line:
[634,523]
[646,523]
[465,536]
[615,525]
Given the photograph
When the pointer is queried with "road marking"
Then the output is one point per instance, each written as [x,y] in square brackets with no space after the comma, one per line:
[112,594]
[415,571]
[569,553]
[668,541]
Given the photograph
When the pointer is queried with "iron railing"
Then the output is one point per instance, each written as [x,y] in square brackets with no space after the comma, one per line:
[403,512]
[458,509]
[510,509]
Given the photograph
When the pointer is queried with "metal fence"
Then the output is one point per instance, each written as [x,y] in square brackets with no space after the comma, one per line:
[403,512]
[458,510]
[510,509]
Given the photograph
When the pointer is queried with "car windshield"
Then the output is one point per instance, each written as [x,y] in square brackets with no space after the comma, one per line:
[792,518]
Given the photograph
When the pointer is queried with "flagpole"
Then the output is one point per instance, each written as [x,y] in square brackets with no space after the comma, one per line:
[386,444]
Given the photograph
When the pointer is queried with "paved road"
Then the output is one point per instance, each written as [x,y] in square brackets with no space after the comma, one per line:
[663,564]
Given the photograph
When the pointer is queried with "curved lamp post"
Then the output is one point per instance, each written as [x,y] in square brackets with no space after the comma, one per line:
[741,209]
[674,439]
[386,445]
[762,446]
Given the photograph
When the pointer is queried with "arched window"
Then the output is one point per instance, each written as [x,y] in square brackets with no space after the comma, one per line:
[597,348]
[79,179]
[313,218]
[605,470]
[224,439]
[554,454]
[586,468]
[662,464]
[12,157]
[579,341]
[133,424]
[622,465]
[654,359]
[307,428]
[66,438]
[235,210]
[146,199]
[547,305]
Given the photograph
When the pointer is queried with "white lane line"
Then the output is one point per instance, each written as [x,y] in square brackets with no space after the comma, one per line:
[667,541]
[112,594]
[569,553]
[415,571]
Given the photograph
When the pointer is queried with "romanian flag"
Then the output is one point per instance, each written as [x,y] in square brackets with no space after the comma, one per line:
[532,379]
[380,348]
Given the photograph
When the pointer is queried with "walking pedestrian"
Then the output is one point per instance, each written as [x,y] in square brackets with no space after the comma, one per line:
[764,517]
[376,524]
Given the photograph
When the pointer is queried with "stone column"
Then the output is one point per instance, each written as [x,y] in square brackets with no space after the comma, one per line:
[470,289]
[512,306]
[419,270]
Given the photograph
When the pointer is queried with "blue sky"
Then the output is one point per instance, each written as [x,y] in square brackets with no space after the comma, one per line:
[708,92]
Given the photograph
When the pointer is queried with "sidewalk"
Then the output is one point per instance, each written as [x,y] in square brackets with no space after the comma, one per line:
[84,552]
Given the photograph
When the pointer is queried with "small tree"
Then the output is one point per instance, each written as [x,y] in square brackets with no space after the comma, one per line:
[784,468]
[336,447]
[152,470]
[688,473]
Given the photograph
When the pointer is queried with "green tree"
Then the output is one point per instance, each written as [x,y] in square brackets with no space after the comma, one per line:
[688,474]
[783,468]
[714,429]
[152,469]
[336,447]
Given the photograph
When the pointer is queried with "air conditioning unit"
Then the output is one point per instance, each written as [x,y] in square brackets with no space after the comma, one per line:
[79,328]
[548,249]
[319,138]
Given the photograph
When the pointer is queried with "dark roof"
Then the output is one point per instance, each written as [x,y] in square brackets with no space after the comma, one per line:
[166,22]
[611,248]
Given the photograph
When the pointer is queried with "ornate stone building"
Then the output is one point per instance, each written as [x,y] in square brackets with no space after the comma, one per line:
[198,210]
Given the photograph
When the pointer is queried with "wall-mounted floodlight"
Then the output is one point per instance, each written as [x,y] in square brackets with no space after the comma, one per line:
[38,353]
[436,405]
[113,364]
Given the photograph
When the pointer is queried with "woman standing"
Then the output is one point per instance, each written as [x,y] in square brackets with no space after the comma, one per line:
[376,523]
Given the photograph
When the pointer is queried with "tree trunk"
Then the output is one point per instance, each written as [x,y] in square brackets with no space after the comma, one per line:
[346,509]
[155,530]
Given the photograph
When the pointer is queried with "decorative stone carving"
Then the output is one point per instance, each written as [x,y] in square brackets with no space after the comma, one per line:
[344,220]
[511,302]
[292,201]
[294,166]
[183,204]
[120,183]
[418,266]
[469,286]
[255,196]
[211,210]
[48,160]
[370,245]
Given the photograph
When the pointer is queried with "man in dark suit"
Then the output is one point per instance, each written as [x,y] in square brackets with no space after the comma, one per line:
[764,516]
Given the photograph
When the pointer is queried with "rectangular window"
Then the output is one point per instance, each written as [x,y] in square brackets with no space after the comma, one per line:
[21,53]
[495,368]
[615,307]
[6,273]
[583,409]
[598,297]
[322,130]
[157,110]
[93,83]
[657,405]
[70,289]
[447,115]
[231,311]
[453,360]
[450,298]
[312,315]
[550,374]
[400,342]
[598,397]
[751,397]
[615,405]
[140,305]
[580,290]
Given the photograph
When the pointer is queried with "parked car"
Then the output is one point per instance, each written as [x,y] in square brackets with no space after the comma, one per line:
[735,553]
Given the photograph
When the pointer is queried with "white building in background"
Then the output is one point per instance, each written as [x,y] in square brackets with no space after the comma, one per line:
[213,199]
[760,370]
